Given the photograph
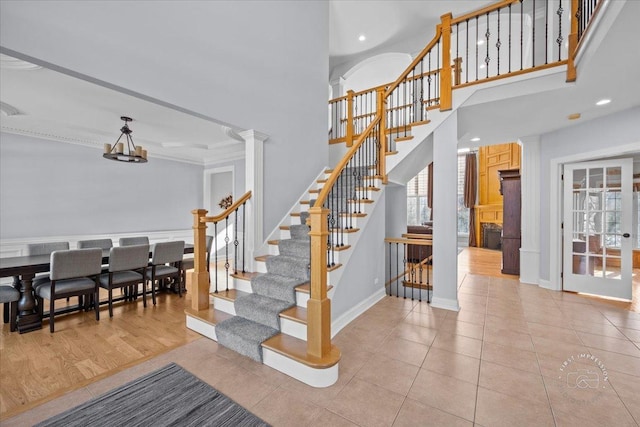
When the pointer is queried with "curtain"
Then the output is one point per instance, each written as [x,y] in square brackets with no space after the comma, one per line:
[430,189]
[470,189]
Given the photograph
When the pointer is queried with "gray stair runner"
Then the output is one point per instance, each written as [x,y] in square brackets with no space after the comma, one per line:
[257,315]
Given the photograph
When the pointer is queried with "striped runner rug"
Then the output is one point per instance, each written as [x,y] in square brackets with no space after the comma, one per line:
[170,396]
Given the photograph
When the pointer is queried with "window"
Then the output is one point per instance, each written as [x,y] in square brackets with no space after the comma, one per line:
[463,213]
[417,210]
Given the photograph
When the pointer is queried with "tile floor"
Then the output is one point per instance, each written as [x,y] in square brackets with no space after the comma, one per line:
[497,362]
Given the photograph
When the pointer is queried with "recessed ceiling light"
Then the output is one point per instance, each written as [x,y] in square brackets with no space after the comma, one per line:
[482,66]
[475,139]
[463,150]
[603,102]
[362,37]
[480,42]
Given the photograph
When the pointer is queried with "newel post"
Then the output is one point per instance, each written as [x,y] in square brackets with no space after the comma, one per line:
[445,73]
[349,133]
[382,110]
[573,43]
[318,305]
[200,275]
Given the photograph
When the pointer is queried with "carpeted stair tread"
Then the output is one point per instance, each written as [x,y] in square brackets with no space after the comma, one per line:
[299,232]
[294,248]
[261,309]
[304,215]
[288,266]
[244,336]
[278,287]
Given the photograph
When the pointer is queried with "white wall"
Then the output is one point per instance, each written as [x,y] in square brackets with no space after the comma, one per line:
[50,188]
[252,64]
[587,141]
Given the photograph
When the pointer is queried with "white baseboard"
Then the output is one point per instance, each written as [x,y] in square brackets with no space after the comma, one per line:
[349,316]
[546,284]
[314,377]
[445,303]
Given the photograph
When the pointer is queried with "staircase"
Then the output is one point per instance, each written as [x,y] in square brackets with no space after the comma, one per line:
[281,315]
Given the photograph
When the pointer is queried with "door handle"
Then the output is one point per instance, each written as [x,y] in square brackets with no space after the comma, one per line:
[626,235]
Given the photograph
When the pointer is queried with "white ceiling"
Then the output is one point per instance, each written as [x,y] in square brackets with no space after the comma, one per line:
[60,107]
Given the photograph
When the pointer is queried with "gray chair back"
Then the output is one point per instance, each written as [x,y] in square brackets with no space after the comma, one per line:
[131,241]
[75,263]
[209,244]
[96,243]
[166,252]
[46,248]
[128,258]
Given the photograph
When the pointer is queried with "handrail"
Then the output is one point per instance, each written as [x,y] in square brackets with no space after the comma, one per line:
[227,211]
[416,61]
[418,242]
[200,277]
[483,11]
[327,186]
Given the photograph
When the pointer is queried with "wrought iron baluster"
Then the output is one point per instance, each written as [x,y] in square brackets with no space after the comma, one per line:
[236,242]
[533,36]
[509,37]
[466,57]
[476,44]
[404,270]
[559,39]
[244,216]
[226,252]
[498,43]
[215,251]
[487,34]
[546,32]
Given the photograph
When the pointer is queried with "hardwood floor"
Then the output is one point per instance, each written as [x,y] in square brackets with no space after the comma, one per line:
[37,367]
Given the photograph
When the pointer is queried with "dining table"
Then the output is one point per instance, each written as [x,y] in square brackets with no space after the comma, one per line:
[23,269]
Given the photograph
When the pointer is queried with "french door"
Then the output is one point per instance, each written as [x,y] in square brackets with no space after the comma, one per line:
[597,227]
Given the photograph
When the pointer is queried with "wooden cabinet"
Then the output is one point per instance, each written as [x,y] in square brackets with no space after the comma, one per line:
[491,159]
[511,203]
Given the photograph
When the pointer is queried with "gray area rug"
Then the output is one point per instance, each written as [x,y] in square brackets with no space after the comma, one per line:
[169,396]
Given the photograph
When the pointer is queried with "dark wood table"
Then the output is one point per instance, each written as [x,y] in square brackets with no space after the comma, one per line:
[23,269]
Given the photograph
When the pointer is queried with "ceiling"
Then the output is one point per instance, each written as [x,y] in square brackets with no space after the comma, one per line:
[45,103]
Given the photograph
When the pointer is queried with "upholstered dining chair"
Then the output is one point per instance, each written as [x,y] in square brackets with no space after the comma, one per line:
[44,249]
[189,263]
[73,273]
[131,241]
[127,268]
[166,262]
[95,243]
[9,296]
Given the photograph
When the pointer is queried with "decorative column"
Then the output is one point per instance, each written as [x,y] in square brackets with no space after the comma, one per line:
[445,214]
[530,214]
[318,305]
[445,74]
[254,176]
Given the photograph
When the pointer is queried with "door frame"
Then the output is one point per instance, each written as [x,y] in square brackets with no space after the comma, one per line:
[207,175]
[556,208]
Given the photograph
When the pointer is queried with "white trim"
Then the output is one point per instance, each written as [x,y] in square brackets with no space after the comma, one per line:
[206,187]
[203,328]
[445,303]
[222,304]
[350,315]
[555,204]
[545,284]
[318,378]
[18,246]
[293,328]
[529,266]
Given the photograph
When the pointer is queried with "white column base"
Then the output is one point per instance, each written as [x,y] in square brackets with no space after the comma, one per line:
[529,266]
[445,303]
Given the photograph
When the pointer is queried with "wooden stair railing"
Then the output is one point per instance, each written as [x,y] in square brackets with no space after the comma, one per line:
[428,83]
[481,46]
[200,275]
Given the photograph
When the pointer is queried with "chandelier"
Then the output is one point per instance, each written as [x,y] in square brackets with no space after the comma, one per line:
[116,152]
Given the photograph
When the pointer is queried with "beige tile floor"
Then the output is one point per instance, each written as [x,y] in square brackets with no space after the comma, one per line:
[497,362]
